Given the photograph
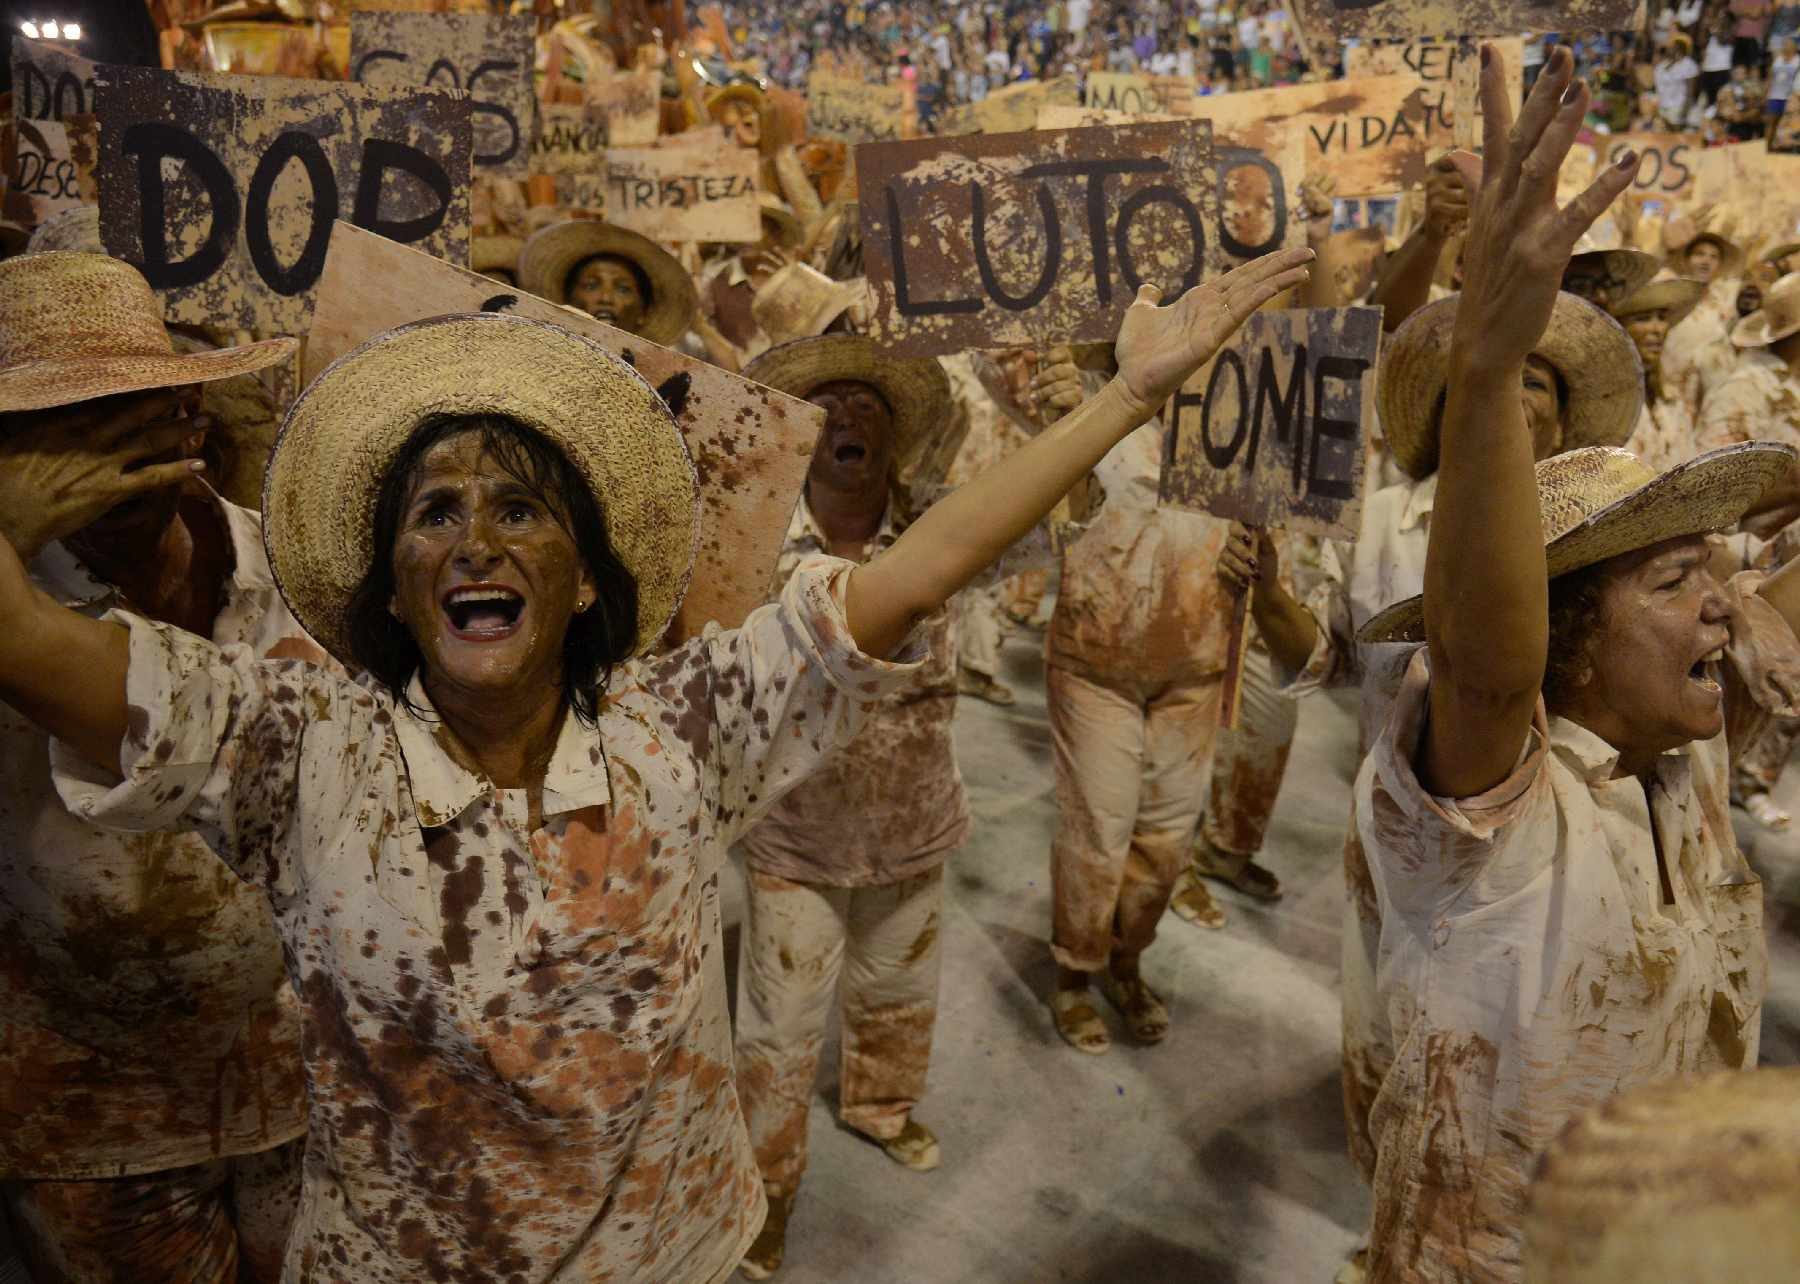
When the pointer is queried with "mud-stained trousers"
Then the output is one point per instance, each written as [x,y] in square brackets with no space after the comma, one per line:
[978,631]
[213,1223]
[876,951]
[1249,762]
[1130,776]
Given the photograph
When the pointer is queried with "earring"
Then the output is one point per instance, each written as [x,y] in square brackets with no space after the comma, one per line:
[580,607]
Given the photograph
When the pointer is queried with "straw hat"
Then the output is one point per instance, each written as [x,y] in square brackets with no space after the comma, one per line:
[343,432]
[76,228]
[1691,1179]
[1777,318]
[780,222]
[738,91]
[1633,269]
[1731,254]
[1676,294]
[548,257]
[1596,358]
[1781,251]
[916,389]
[76,326]
[798,302]
[1598,502]
[489,252]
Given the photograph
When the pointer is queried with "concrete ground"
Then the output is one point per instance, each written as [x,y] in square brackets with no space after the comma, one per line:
[1216,1156]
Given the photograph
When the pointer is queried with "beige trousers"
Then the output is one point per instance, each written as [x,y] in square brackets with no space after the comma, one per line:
[1250,760]
[1130,770]
[875,950]
[978,631]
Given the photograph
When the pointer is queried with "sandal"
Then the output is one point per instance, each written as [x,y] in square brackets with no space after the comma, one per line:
[1194,904]
[763,1258]
[1251,879]
[1078,1022]
[916,1148]
[1763,810]
[1145,1015]
[982,687]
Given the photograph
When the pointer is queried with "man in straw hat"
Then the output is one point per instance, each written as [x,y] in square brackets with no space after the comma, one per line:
[1700,345]
[150,1057]
[846,874]
[1565,912]
[493,861]
[1665,433]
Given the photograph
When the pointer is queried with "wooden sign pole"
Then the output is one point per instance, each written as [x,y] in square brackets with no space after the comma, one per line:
[1231,686]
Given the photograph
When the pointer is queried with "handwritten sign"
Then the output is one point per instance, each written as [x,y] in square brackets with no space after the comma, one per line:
[1010,109]
[49,84]
[569,141]
[1270,431]
[684,193]
[1375,133]
[987,241]
[850,110]
[1668,169]
[629,104]
[490,59]
[1445,62]
[1410,19]
[751,445]
[42,168]
[222,190]
[1122,91]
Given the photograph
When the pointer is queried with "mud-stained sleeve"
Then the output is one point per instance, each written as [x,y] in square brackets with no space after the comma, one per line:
[791,687]
[1437,856]
[1334,661]
[213,744]
[1762,669]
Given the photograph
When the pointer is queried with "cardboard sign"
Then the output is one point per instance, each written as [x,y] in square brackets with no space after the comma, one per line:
[852,111]
[751,445]
[1007,239]
[490,59]
[1270,431]
[48,84]
[1445,62]
[1670,162]
[684,193]
[629,105]
[1756,192]
[42,168]
[569,141]
[1410,19]
[1011,109]
[222,190]
[1375,134]
[1122,91]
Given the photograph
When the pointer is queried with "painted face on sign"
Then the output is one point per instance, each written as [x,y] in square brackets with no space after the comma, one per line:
[1647,331]
[1703,260]
[606,288]
[856,449]
[1540,393]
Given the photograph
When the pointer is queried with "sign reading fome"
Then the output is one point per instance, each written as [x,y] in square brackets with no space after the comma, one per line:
[490,59]
[1270,431]
[222,190]
[992,240]
[1410,19]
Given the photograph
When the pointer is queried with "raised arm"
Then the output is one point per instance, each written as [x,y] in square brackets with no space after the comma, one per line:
[1486,586]
[1405,284]
[1157,349]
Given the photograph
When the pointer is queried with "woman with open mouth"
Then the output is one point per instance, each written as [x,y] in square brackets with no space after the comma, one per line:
[493,861]
[614,275]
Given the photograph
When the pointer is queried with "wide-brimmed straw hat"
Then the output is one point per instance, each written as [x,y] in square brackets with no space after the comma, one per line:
[342,434]
[1777,318]
[1677,295]
[799,301]
[489,252]
[76,228]
[1781,251]
[1633,269]
[548,257]
[1599,502]
[76,326]
[1731,254]
[1597,361]
[916,389]
[738,91]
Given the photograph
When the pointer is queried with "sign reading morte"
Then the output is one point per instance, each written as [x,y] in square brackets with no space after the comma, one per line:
[1270,431]
[490,59]
[751,445]
[983,242]
[1410,19]
[851,110]
[48,84]
[222,190]
[685,193]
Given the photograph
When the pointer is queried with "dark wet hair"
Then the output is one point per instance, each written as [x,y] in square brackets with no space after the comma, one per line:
[1575,617]
[637,274]
[598,638]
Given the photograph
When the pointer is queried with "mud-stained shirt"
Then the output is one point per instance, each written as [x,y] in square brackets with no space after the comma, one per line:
[1697,353]
[890,805]
[1531,965]
[1666,434]
[516,1040]
[145,1018]
[1760,402]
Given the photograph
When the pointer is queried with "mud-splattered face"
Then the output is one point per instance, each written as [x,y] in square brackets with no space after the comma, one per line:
[1539,394]
[856,448]
[1662,621]
[486,577]
[1703,259]
[1647,331]
[606,289]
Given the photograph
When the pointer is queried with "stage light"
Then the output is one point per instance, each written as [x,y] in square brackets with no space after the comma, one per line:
[71,31]
[52,31]
[30,29]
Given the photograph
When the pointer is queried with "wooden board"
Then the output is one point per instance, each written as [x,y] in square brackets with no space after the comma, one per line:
[1669,167]
[698,193]
[629,105]
[490,59]
[1445,62]
[569,141]
[1375,134]
[1270,431]
[1011,109]
[49,84]
[40,169]
[751,445]
[223,190]
[995,240]
[1410,19]
[849,110]
[1122,91]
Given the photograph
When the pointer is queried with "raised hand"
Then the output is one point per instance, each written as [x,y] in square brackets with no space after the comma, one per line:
[1160,347]
[1249,559]
[1446,200]
[1056,387]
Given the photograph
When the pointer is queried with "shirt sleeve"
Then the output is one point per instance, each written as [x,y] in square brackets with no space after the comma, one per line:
[1762,663]
[221,743]
[1333,661]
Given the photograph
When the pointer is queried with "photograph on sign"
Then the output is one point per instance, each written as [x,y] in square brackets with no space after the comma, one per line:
[1410,19]
[629,105]
[490,59]
[49,84]
[683,193]
[1270,431]
[849,110]
[42,169]
[751,445]
[993,240]
[222,190]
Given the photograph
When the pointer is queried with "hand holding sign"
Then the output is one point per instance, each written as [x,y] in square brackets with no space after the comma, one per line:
[1160,347]
[1249,559]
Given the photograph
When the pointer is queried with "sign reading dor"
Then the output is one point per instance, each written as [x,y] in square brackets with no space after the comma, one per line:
[986,241]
